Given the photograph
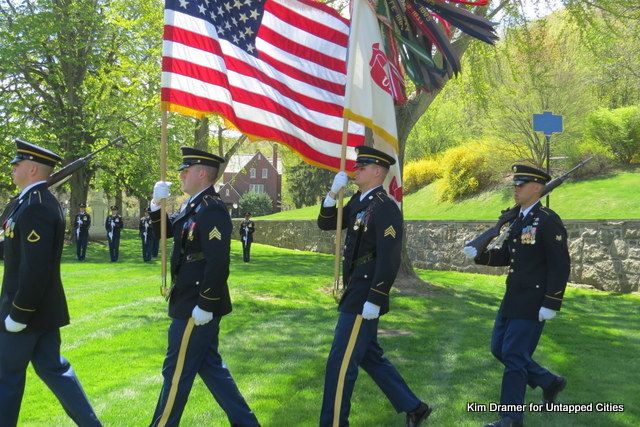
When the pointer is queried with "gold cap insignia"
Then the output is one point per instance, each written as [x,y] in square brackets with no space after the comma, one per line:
[215,234]
[33,236]
[390,231]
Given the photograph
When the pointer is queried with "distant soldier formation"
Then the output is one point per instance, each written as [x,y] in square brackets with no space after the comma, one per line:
[33,306]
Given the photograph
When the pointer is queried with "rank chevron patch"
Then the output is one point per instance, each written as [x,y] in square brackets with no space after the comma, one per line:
[390,231]
[33,237]
[215,234]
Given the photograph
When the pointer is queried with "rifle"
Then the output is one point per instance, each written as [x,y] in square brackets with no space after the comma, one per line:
[57,178]
[481,243]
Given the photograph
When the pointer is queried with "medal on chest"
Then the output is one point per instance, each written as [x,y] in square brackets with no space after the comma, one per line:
[9,225]
[360,222]
[528,236]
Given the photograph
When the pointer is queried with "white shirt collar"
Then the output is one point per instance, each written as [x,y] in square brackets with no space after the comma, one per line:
[365,194]
[29,187]
[526,211]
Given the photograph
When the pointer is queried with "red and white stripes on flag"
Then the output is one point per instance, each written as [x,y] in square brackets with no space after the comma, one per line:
[274,69]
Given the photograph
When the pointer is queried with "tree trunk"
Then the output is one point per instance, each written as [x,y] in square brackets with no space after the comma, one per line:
[142,205]
[118,202]
[201,134]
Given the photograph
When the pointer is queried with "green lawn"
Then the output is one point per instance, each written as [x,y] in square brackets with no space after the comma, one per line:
[278,336]
[614,197]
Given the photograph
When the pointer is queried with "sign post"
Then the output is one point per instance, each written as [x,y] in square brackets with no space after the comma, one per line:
[547,123]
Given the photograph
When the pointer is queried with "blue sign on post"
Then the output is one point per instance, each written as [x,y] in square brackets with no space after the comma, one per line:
[547,123]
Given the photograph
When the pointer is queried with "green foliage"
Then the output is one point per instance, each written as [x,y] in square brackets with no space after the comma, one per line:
[618,130]
[308,183]
[419,173]
[615,196]
[256,203]
[467,170]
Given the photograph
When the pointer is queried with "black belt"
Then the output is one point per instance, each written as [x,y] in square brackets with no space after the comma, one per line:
[364,259]
[194,257]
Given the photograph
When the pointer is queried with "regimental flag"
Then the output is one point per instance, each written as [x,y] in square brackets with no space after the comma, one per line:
[274,69]
[370,88]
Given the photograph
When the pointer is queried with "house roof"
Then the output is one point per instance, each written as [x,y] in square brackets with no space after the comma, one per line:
[238,161]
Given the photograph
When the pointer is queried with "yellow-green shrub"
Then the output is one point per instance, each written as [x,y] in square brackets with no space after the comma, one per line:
[467,170]
[419,173]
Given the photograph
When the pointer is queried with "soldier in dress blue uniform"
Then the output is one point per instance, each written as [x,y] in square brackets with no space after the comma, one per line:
[538,258]
[146,236]
[81,226]
[371,261]
[247,227]
[33,307]
[199,297]
[113,224]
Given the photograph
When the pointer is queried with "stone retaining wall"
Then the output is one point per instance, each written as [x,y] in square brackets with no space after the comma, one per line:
[604,253]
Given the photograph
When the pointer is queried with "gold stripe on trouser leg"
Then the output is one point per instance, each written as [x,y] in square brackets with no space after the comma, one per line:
[343,370]
[168,406]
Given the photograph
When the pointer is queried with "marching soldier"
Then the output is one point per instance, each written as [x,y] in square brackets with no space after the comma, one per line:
[371,262]
[81,225]
[113,224]
[146,236]
[33,307]
[538,258]
[247,227]
[200,296]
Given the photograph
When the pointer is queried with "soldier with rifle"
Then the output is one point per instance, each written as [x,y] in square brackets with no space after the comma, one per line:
[33,306]
[536,252]
[146,236]
[82,222]
[113,224]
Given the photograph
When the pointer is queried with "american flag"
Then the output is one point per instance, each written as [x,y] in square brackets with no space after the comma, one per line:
[275,69]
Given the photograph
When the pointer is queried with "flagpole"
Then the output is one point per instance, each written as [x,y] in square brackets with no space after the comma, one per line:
[337,289]
[164,290]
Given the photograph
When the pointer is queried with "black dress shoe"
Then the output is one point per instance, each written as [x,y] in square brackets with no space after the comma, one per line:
[550,393]
[505,422]
[416,417]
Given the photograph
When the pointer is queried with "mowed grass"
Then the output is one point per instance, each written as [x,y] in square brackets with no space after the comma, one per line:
[612,197]
[277,338]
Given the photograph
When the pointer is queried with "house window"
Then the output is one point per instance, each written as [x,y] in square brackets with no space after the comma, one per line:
[252,173]
[256,188]
[227,192]
[265,173]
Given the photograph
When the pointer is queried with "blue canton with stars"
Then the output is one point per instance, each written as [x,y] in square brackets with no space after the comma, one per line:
[236,21]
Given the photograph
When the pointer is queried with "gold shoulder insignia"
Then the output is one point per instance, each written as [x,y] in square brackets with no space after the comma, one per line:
[559,238]
[215,234]
[390,231]
[33,236]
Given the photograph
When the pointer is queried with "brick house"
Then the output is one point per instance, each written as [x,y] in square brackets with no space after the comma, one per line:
[251,172]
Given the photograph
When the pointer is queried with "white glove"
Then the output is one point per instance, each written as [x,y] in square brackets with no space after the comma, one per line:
[370,311]
[13,326]
[546,314]
[340,180]
[201,317]
[470,252]
[161,191]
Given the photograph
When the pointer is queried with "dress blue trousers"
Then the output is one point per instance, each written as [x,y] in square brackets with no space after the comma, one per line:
[114,247]
[194,350]
[42,349]
[513,343]
[355,344]
[81,245]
